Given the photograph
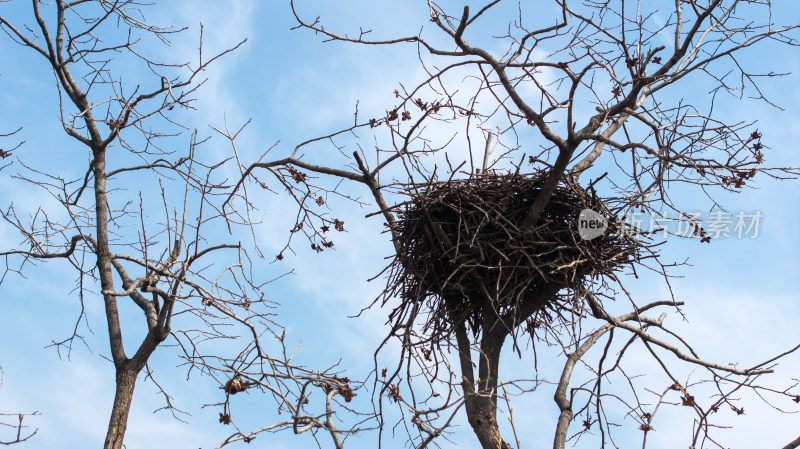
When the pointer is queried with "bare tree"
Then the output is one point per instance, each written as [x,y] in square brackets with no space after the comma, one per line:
[490,247]
[581,112]
[142,222]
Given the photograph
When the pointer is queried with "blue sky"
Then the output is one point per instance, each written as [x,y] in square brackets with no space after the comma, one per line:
[742,295]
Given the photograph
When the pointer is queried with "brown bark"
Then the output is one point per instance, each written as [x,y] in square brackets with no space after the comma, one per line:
[794,444]
[481,403]
[482,406]
[480,396]
[127,373]
[118,424]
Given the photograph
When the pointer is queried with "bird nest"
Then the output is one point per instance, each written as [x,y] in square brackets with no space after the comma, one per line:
[462,250]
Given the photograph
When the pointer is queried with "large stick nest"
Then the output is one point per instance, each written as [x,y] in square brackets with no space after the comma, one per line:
[461,249]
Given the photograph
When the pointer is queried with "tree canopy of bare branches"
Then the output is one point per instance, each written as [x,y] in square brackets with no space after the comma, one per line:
[581,92]
[142,223]
[516,120]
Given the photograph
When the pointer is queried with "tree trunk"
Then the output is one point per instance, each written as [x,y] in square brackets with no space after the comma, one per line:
[126,381]
[480,395]
[481,405]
